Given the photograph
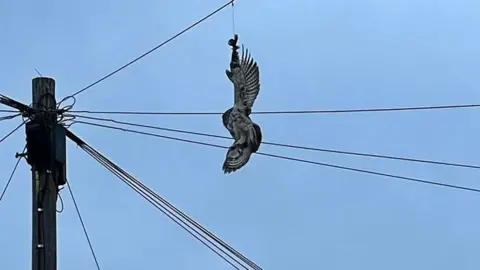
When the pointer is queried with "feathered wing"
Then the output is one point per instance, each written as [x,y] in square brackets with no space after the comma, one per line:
[235,159]
[238,156]
[245,76]
[251,77]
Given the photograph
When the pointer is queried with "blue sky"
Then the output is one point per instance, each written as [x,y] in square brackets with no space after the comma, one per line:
[280,214]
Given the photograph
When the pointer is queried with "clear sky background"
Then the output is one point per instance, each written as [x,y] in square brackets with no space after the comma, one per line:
[282,215]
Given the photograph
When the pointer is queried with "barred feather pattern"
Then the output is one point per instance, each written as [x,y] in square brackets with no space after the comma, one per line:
[251,79]
[247,135]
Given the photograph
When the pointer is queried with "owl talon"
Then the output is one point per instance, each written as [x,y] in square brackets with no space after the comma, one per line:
[233,42]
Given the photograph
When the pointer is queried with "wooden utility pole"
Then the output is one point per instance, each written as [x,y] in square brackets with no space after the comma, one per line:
[46,154]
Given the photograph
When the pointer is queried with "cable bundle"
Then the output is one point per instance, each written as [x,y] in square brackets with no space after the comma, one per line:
[210,240]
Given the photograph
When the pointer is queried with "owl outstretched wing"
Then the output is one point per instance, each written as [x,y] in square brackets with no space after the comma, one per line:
[251,77]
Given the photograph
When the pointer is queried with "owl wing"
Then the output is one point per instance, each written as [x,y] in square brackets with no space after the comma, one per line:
[238,156]
[236,159]
[251,77]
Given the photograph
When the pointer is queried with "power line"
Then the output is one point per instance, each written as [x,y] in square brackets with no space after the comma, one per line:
[441,107]
[153,49]
[20,107]
[19,157]
[289,145]
[8,117]
[148,197]
[13,131]
[411,179]
[59,197]
[83,225]
[372,172]
[7,111]
[165,207]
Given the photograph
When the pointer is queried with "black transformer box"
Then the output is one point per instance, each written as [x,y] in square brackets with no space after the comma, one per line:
[46,148]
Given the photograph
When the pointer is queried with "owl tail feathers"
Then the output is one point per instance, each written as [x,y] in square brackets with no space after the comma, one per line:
[236,158]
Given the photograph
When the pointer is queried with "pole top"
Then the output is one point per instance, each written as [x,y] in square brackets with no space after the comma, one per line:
[43,78]
[43,92]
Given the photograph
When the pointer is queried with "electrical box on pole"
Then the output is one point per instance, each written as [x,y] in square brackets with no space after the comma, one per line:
[46,153]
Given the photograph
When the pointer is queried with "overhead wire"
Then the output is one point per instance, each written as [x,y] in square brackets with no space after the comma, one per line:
[153,49]
[4,191]
[168,209]
[393,109]
[233,17]
[286,145]
[410,179]
[8,117]
[7,111]
[20,107]
[121,174]
[148,196]
[59,197]
[83,225]
[13,131]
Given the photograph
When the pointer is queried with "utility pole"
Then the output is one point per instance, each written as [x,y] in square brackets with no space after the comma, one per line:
[46,153]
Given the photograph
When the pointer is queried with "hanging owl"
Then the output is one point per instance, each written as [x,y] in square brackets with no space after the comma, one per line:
[247,135]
